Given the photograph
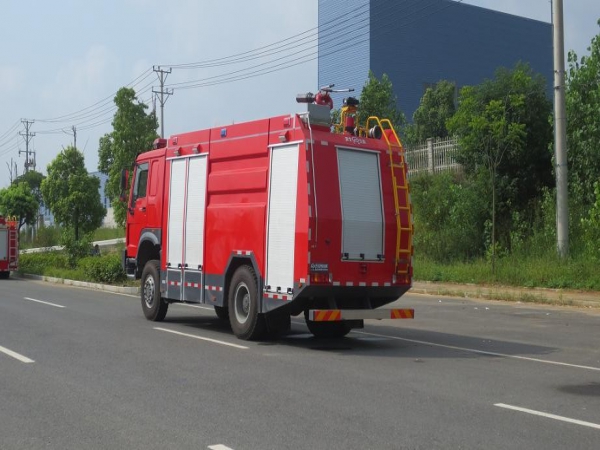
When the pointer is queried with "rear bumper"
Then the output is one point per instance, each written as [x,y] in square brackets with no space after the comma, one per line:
[363,298]
[336,315]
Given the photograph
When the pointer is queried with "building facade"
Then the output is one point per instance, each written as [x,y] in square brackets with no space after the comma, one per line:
[418,43]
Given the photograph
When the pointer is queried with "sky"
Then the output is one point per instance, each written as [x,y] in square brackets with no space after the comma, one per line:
[62,62]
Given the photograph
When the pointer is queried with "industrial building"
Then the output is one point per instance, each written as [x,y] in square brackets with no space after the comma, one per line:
[419,42]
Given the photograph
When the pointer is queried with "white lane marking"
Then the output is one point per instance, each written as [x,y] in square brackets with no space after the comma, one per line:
[219,447]
[15,355]
[215,341]
[43,302]
[208,308]
[483,352]
[549,416]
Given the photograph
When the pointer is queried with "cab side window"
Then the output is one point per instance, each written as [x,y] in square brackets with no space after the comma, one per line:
[141,181]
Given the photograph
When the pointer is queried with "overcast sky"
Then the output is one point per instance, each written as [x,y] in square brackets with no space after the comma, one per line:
[63,61]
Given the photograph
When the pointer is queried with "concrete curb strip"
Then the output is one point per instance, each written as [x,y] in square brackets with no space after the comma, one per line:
[85,284]
[558,297]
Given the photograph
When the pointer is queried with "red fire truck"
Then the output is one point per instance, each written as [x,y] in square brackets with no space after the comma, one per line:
[274,218]
[9,245]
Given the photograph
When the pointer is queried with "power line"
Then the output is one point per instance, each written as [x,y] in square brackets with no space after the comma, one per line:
[330,40]
[265,68]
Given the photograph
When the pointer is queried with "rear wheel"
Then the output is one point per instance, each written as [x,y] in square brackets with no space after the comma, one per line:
[327,329]
[154,307]
[4,275]
[246,322]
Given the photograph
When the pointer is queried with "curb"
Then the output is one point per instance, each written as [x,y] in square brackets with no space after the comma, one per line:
[556,297]
[84,284]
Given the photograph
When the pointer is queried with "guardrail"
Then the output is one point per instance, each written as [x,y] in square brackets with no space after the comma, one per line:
[106,243]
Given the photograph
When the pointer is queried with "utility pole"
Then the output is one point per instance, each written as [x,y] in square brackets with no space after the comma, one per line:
[74,128]
[162,77]
[12,170]
[560,132]
[27,136]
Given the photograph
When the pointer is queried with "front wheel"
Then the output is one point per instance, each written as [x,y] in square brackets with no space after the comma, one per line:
[244,317]
[154,307]
[4,275]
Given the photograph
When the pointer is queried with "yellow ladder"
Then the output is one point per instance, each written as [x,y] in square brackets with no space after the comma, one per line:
[401,189]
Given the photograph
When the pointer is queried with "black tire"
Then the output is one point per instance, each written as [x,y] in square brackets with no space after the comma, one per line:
[246,321]
[4,275]
[327,330]
[154,307]
[222,312]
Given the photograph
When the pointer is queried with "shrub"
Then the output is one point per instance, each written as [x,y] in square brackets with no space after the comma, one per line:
[36,263]
[103,269]
[76,249]
[449,217]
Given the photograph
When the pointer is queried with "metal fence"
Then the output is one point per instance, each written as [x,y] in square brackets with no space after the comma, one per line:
[433,156]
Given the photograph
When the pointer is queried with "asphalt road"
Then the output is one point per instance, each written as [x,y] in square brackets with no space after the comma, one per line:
[85,370]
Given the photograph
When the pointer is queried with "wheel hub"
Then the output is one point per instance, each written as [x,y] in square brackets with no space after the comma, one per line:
[242,303]
[149,292]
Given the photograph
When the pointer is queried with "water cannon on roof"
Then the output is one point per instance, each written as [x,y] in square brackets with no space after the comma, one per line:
[322,97]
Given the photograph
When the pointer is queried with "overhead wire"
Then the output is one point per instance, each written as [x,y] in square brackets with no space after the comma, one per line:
[266,68]
[329,40]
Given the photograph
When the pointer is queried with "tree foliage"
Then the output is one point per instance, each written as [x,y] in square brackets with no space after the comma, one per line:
[134,130]
[378,99]
[19,200]
[72,195]
[503,124]
[583,122]
[436,107]
[34,180]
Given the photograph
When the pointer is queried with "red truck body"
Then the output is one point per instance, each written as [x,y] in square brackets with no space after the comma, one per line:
[272,218]
[9,246]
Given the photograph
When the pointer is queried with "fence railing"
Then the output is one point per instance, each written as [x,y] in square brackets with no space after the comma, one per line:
[433,156]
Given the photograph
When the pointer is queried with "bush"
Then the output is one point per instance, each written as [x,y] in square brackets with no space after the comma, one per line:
[36,263]
[76,249]
[449,217]
[103,269]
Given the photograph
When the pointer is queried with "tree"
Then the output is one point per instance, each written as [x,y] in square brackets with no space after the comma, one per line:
[72,195]
[378,99]
[437,106]
[503,126]
[133,133]
[583,122]
[19,200]
[34,181]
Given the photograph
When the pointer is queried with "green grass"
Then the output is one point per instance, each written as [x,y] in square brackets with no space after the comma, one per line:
[104,234]
[546,272]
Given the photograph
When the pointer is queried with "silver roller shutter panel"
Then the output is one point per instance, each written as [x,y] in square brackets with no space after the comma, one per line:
[3,245]
[194,227]
[362,209]
[283,189]
[176,211]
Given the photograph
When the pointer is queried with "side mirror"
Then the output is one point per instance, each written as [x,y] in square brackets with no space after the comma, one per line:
[124,185]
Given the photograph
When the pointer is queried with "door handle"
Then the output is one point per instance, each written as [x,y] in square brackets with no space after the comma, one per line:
[143,209]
